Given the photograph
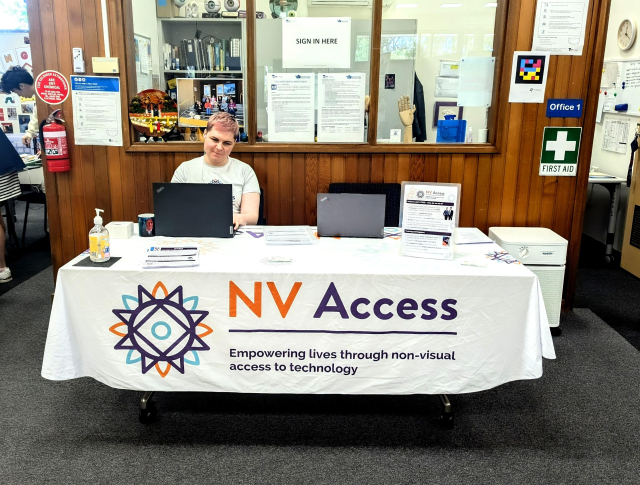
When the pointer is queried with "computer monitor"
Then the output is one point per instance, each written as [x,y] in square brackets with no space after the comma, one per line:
[351,215]
[193,210]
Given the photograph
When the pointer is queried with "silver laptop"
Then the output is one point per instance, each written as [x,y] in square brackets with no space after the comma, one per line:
[351,215]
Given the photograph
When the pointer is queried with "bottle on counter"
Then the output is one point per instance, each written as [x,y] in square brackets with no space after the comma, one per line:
[99,245]
[469,138]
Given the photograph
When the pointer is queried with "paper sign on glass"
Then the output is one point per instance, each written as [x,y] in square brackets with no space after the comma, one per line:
[291,109]
[341,107]
[529,77]
[323,43]
[476,81]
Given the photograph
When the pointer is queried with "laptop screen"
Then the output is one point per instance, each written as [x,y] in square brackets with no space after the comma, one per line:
[193,210]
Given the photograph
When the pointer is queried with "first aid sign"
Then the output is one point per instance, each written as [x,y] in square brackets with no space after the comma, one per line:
[560,151]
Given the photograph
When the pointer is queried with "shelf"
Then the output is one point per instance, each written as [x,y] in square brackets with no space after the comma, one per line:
[184,71]
[183,19]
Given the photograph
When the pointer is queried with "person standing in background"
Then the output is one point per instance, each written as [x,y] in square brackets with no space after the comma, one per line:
[10,164]
[19,81]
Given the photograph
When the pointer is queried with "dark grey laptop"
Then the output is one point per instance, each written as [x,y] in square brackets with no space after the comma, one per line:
[193,210]
[351,215]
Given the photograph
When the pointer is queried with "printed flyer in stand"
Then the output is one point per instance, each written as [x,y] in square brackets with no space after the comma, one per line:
[429,216]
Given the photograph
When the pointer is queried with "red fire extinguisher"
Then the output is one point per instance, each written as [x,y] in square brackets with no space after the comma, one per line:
[53,137]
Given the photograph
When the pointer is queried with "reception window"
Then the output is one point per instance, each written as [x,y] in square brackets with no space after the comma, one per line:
[432,56]
[190,63]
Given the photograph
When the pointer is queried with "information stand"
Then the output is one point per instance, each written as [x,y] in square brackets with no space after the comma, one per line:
[429,214]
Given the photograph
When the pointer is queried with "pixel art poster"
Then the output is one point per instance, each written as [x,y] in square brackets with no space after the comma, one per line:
[530,69]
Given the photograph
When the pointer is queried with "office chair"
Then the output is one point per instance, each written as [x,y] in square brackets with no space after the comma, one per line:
[31,196]
[261,220]
[392,191]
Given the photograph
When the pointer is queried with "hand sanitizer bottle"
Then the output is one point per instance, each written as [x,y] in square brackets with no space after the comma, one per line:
[469,135]
[99,246]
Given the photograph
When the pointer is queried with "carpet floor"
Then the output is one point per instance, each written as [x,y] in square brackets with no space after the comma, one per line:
[28,260]
[579,423]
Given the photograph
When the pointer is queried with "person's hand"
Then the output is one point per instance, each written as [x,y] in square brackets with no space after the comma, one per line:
[367,102]
[406,112]
[26,140]
[238,220]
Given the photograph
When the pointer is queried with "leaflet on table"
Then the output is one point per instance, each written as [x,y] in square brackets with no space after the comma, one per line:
[291,110]
[96,110]
[288,235]
[429,216]
[471,235]
[341,107]
[171,257]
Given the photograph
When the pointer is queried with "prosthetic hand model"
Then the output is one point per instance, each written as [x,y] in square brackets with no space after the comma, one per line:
[406,116]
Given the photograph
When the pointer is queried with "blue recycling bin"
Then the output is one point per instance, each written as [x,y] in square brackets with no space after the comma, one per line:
[451,131]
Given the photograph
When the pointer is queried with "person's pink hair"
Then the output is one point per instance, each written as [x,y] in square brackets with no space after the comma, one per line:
[224,122]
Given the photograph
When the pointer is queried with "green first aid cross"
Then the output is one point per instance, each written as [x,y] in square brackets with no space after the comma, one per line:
[560,151]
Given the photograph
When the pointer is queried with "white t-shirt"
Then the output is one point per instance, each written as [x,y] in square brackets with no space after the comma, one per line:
[235,172]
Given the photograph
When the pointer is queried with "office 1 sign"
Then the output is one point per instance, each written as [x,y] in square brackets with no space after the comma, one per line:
[564,108]
[560,151]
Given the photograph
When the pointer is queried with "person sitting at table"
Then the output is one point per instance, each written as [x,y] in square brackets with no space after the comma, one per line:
[217,167]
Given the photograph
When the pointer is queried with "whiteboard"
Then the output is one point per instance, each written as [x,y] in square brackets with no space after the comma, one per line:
[627,88]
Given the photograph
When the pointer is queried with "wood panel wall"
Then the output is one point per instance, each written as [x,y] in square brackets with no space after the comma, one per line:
[497,189]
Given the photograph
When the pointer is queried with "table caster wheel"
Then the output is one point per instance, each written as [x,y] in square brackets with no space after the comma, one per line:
[609,258]
[148,416]
[556,331]
[447,420]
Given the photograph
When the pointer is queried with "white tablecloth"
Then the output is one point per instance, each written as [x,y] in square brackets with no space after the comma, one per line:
[348,316]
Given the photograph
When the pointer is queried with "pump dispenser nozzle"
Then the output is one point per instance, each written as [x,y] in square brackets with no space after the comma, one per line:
[97,219]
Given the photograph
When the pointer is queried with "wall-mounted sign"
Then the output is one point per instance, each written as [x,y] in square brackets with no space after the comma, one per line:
[323,43]
[528,77]
[52,87]
[560,151]
[564,108]
[96,111]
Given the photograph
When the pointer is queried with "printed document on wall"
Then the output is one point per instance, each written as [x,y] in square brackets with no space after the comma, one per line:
[616,135]
[341,107]
[560,26]
[610,75]
[323,43]
[291,109]
[429,216]
[96,110]
[528,77]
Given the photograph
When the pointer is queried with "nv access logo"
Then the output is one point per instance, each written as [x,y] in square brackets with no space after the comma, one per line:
[560,151]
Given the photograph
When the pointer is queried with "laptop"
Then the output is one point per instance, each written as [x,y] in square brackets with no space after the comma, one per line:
[351,215]
[193,210]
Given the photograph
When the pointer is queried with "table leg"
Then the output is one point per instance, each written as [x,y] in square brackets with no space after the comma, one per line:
[446,414]
[12,236]
[148,411]
[614,192]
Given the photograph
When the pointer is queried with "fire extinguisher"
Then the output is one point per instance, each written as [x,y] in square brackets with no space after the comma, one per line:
[53,137]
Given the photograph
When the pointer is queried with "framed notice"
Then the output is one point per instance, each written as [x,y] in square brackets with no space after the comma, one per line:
[429,214]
